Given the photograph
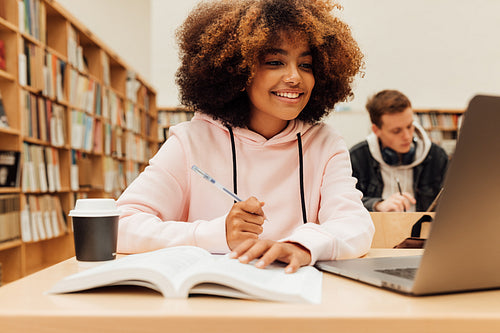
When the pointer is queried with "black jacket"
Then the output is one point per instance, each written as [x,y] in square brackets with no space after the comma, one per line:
[428,176]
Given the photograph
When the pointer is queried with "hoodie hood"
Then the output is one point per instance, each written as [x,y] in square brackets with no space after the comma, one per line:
[422,149]
[289,134]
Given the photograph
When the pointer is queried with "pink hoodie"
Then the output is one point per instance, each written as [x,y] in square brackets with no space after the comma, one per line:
[169,204]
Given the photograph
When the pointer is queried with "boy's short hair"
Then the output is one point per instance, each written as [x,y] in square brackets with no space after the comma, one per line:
[386,102]
[222,41]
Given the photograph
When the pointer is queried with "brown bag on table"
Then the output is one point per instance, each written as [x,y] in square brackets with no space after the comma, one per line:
[417,239]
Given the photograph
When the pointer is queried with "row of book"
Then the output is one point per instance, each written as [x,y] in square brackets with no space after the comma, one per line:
[43,119]
[33,21]
[431,120]
[144,98]
[9,217]
[82,130]
[54,71]
[41,169]
[114,176]
[32,18]
[75,51]
[42,218]
[133,117]
[93,135]
[136,148]
[29,60]
[174,117]
[84,93]
[167,118]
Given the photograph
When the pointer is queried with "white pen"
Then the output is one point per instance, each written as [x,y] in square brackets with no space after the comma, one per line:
[213,181]
[400,192]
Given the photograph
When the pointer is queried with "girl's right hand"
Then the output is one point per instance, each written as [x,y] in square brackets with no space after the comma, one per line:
[244,221]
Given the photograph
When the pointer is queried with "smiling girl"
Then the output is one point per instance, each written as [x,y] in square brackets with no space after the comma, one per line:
[260,74]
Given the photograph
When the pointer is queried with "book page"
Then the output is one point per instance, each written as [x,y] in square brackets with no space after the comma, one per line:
[158,268]
[271,283]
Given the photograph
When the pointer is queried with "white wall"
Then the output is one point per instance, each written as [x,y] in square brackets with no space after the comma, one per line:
[439,52]
[166,19]
[123,25]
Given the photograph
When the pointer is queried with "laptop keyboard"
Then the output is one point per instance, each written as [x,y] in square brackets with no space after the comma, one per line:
[405,273]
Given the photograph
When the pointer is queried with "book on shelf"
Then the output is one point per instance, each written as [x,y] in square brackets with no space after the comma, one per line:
[82,126]
[105,113]
[108,135]
[9,217]
[117,115]
[42,218]
[106,71]
[98,137]
[36,219]
[53,169]
[53,73]
[98,99]
[132,86]
[28,178]
[10,167]
[23,69]
[3,63]
[178,272]
[4,120]
[58,125]
[32,18]
[43,119]
[132,171]
[82,91]
[34,61]
[73,171]
[41,169]
[132,117]
[84,163]
[110,174]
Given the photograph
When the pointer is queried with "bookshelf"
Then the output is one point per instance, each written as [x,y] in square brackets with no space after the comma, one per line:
[442,125]
[83,121]
[170,116]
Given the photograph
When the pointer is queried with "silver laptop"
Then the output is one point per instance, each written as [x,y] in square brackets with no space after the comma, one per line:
[462,251]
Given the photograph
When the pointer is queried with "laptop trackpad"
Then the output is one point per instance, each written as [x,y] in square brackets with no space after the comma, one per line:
[390,272]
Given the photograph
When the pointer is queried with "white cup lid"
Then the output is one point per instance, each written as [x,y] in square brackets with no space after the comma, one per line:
[95,207]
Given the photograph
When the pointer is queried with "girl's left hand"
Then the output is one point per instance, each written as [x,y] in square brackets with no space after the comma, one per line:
[295,255]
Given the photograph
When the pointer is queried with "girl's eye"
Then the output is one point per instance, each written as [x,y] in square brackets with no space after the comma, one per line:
[274,63]
[307,66]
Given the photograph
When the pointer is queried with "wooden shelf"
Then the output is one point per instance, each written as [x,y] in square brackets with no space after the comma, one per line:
[442,125]
[170,116]
[58,73]
[10,244]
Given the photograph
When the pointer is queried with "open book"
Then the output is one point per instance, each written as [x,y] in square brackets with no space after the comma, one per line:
[180,271]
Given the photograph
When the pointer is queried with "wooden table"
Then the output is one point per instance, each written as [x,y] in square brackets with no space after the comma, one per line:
[347,306]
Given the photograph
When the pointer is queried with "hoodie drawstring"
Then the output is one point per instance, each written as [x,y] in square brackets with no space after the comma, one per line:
[233,150]
[301,171]
[301,178]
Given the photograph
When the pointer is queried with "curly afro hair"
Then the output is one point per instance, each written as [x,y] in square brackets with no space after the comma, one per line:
[221,43]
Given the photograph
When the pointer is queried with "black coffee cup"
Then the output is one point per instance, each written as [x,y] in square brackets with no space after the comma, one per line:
[95,229]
